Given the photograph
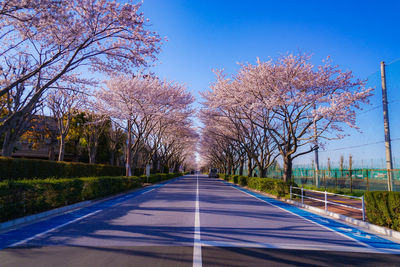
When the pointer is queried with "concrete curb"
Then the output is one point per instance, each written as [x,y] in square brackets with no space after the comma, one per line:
[366,225]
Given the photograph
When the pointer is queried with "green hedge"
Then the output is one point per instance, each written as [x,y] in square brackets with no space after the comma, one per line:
[383,208]
[268,185]
[24,197]
[158,177]
[15,168]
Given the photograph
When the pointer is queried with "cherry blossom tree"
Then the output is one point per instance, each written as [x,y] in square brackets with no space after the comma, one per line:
[94,126]
[62,103]
[217,149]
[146,107]
[116,141]
[59,38]
[298,104]
[246,138]
[11,103]
[178,145]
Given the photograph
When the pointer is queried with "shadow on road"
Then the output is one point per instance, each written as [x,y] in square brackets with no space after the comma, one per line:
[213,256]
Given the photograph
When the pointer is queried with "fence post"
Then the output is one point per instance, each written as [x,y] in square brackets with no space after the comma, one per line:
[326,202]
[363,208]
[290,192]
[351,172]
[302,198]
[336,179]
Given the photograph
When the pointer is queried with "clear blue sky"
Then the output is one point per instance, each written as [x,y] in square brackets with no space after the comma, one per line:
[204,35]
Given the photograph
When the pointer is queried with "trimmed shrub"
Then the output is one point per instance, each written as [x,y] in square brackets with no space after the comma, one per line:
[15,169]
[24,197]
[242,180]
[383,208]
[272,186]
[158,177]
[234,178]
[138,172]
[224,176]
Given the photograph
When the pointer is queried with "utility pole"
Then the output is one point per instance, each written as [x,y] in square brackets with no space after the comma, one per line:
[388,147]
[128,150]
[316,154]
[316,167]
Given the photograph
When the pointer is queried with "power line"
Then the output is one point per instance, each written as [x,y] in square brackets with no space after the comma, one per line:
[378,106]
[393,61]
[368,110]
[367,144]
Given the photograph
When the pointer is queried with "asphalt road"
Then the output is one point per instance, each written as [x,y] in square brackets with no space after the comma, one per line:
[193,221]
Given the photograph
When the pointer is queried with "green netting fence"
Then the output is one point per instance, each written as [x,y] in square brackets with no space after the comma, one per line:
[357,179]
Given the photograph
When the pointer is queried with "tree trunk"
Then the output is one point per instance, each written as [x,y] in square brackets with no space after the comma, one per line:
[128,171]
[62,148]
[249,168]
[112,158]
[134,162]
[7,149]
[51,153]
[92,155]
[287,169]
[229,168]
[241,167]
[77,151]
[262,171]
[155,163]
[8,144]
[176,169]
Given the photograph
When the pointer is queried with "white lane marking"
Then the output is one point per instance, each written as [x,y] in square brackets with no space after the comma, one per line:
[75,220]
[323,226]
[197,261]
[52,229]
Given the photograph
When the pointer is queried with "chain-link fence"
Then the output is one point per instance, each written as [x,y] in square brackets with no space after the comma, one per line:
[358,179]
[355,179]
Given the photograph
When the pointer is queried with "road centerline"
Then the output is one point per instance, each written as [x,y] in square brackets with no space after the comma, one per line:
[197,261]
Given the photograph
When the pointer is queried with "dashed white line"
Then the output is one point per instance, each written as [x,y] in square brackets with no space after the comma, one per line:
[197,261]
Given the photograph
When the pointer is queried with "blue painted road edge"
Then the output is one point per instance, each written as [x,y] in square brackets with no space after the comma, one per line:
[32,218]
[28,231]
[371,240]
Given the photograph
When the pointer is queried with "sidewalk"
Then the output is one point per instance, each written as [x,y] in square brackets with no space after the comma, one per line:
[321,205]
[349,212]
